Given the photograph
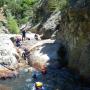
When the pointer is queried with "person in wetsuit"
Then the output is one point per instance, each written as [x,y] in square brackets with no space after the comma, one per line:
[38,86]
[26,56]
[23,35]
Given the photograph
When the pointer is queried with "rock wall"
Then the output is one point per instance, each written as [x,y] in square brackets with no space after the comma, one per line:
[72,27]
[75,33]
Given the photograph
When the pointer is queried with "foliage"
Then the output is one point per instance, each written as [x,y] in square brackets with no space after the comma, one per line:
[62,4]
[12,24]
[1,24]
[1,3]
[25,10]
[57,4]
[20,9]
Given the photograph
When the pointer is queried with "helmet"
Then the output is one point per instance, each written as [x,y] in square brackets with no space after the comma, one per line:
[39,84]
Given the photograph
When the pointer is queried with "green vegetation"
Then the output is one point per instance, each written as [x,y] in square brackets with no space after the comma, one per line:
[23,11]
[12,24]
[57,4]
[20,9]
[47,7]
[1,24]
[17,12]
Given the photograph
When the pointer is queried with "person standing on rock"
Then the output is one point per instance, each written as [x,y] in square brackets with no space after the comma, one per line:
[23,34]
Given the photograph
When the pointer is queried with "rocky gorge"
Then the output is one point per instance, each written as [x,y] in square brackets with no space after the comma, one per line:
[63,46]
[71,27]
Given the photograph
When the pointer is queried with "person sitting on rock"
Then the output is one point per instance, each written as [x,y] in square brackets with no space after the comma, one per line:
[18,41]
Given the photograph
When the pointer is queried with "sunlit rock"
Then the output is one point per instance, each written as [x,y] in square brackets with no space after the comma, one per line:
[45,53]
[8,61]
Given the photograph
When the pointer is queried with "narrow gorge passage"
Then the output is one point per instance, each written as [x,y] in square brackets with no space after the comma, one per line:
[45,41]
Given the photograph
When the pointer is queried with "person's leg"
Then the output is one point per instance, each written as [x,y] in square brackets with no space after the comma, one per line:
[22,37]
[24,56]
[28,60]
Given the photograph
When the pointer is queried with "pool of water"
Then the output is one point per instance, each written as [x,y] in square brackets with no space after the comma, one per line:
[55,79]
[24,81]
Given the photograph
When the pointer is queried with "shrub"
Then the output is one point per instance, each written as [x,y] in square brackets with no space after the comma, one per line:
[12,25]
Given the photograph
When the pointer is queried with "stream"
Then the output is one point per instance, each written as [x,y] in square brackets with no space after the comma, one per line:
[24,81]
[59,79]
[55,79]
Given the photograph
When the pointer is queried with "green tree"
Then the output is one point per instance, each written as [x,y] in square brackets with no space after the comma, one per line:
[12,24]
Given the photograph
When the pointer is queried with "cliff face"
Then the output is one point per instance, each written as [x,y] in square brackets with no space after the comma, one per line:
[72,27]
[75,32]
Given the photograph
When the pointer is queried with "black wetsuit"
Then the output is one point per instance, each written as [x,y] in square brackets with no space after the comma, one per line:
[24,33]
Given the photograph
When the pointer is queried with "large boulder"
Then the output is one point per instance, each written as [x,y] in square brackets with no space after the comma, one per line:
[49,28]
[8,54]
[45,52]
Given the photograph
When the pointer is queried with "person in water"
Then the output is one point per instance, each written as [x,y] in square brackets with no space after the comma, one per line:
[34,75]
[43,70]
[38,86]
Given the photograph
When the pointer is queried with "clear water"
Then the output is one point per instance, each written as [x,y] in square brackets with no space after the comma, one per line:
[54,80]
[23,82]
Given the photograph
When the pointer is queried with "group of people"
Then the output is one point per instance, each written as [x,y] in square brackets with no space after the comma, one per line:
[24,38]
[39,85]
[18,39]
[26,56]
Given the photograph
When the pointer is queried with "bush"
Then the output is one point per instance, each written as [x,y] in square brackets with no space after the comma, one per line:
[12,25]
[57,4]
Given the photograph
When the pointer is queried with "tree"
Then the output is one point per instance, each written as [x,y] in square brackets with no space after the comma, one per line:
[12,24]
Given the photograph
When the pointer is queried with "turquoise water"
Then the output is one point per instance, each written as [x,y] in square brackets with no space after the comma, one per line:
[55,79]
[23,82]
